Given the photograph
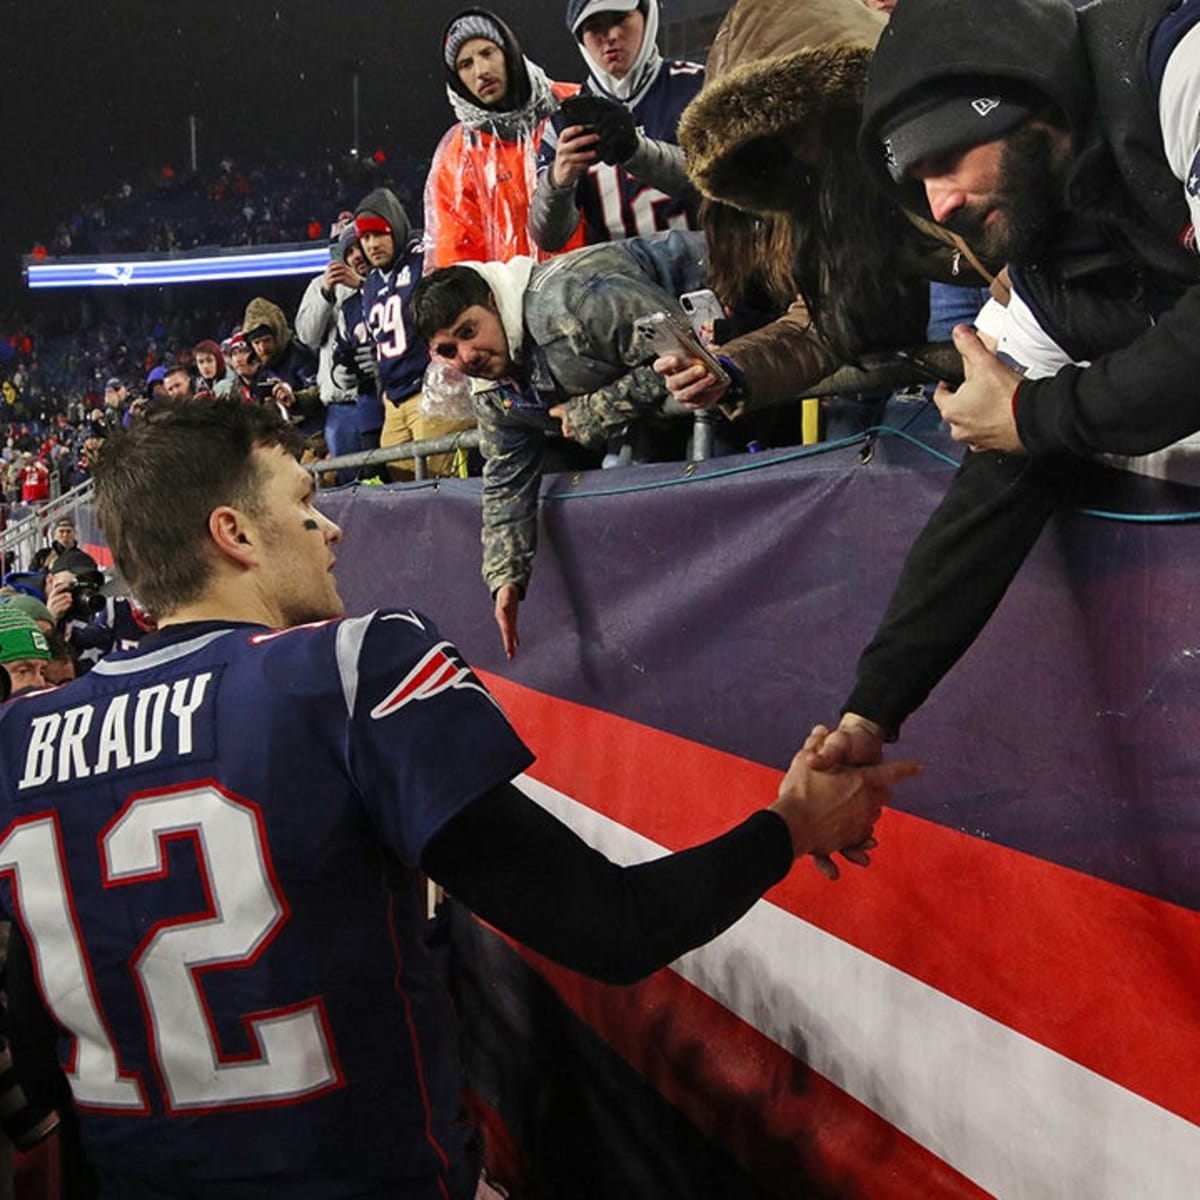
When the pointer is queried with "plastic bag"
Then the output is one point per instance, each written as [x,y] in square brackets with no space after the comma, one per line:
[446,393]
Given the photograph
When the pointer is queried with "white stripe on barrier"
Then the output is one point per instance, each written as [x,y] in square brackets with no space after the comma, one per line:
[1010,1114]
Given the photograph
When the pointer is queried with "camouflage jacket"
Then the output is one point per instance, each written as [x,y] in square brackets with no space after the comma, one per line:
[580,347]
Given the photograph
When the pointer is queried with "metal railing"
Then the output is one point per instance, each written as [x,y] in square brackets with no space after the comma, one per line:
[418,452]
[881,373]
[28,524]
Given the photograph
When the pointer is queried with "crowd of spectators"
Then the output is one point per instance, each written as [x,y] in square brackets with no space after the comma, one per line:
[230,204]
[56,356]
[835,186]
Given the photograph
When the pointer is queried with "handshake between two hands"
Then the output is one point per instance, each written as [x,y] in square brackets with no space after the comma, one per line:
[834,791]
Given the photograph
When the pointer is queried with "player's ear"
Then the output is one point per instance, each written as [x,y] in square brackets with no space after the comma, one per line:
[233,535]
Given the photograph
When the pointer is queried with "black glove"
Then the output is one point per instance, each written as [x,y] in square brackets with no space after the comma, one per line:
[609,119]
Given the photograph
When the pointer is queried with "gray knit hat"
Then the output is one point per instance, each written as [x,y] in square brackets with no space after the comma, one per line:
[948,115]
[472,25]
[29,606]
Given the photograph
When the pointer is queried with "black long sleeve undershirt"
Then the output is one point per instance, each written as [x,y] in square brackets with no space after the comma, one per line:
[531,876]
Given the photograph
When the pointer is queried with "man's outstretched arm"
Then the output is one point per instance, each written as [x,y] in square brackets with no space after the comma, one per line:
[954,576]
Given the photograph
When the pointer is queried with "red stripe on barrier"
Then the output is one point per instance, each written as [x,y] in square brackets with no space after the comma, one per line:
[1101,974]
[783,1122]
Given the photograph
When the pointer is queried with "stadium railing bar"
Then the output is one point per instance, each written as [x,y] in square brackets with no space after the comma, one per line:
[878,373]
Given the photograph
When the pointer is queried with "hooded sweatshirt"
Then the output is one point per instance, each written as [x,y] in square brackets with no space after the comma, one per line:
[570,328]
[400,355]
[1108,262]
[208,346]
[292,362]
[319,324]
[482,174]
[648,192]
[1119,283]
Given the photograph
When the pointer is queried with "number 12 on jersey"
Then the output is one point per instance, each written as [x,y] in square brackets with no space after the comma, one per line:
[293,1057]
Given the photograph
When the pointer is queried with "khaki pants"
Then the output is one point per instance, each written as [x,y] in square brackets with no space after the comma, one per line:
[404,422]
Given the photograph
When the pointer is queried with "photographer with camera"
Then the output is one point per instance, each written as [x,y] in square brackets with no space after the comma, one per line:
[75,601]
[74,594]
[94,624]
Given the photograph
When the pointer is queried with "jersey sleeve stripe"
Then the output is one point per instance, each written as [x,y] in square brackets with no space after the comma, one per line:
[350,636]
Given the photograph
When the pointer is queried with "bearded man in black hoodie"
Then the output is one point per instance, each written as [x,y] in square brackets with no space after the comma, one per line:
[1066,142]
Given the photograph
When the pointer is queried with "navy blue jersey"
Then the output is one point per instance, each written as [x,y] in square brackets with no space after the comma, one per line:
[401,355]
[614,204]
[211,844]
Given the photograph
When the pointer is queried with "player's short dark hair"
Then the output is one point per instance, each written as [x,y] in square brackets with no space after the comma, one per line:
[158,481]
[438,299]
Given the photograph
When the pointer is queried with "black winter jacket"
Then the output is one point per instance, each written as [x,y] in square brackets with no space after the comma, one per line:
[1121,288]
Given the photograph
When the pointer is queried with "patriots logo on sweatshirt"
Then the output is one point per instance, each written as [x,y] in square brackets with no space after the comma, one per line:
[439,670]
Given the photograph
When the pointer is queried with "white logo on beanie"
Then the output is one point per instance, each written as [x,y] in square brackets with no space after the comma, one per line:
[985,104]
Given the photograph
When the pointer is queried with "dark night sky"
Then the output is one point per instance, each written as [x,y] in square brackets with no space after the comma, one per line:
[95,92]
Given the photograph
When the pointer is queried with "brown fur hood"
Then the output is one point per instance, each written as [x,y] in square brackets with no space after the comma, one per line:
[261,311]
[781,75]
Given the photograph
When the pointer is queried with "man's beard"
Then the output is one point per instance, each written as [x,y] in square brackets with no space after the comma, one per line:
[1028,203]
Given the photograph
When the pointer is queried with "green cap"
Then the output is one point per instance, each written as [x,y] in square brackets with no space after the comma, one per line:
[20,638]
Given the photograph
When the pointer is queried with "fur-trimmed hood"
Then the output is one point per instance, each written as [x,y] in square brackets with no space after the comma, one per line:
[261,311]
[778,74]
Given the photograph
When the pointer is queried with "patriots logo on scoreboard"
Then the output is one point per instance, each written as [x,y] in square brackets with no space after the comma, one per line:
[439,670]
[121,272]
